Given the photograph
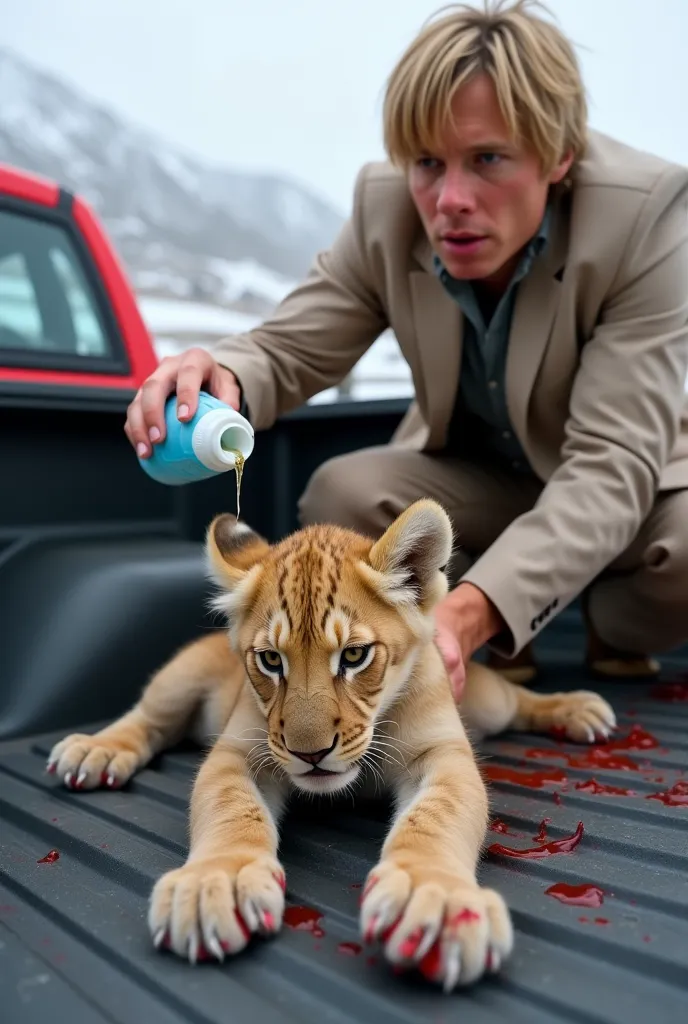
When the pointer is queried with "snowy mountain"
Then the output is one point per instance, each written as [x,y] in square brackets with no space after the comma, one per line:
[183,228]
[210,251]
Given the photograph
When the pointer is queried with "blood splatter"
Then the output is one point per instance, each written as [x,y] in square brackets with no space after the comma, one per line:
[431,964]
[533,780]
[356,885]
[49,858]
[304,919]
[541,837]
[604,755]
[677,796]
[577,895]
[565,845]
[464,916]
[557,799]
[647,938]
[602,789]
[671,693]
[602,920]
[349,948]
[501,826]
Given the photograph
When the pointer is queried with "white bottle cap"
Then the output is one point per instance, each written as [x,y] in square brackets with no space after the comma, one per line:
[218,431]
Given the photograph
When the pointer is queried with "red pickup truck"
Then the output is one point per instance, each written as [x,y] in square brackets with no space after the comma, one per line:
[67,314]
[102,577]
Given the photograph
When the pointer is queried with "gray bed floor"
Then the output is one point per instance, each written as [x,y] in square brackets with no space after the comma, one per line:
[74,944]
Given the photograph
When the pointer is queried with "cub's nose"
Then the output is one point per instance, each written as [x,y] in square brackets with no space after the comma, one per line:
[315,756]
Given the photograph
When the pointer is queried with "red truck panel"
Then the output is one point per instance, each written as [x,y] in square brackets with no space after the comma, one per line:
[132,328]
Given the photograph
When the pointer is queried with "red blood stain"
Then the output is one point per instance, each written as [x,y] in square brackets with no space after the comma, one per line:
[356,885]
[431,963]
[646,938]
[501,826]
[304,919]
[671,693]
[602,920]
[464,916]
[104,846]
[558,732]
[54,819]
[565,845]
[584,920]
[533,780]
[242,924]
[602,789]
[49,858]
[577,895]
[410,944]
[349,948]
[605,755]
[541,837]
[677,796]
[557,799]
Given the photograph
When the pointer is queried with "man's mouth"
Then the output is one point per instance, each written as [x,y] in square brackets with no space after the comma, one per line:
[463,241]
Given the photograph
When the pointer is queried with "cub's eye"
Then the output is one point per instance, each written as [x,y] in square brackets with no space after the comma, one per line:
[354,657]
[270,660]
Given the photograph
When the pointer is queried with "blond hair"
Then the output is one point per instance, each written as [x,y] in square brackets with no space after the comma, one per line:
[531,63]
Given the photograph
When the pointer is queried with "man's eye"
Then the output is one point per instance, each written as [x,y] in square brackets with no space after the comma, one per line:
[270,660]
[353,656]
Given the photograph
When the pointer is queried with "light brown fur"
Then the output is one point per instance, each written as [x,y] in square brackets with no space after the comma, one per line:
[306,602]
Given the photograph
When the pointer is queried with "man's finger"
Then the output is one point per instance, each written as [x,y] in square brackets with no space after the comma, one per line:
[154,394]
[136,430]
[196,368]
[224,385]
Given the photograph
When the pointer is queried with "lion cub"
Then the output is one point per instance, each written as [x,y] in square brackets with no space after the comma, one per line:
[330,679]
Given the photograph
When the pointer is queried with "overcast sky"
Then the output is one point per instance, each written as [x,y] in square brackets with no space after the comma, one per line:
[295,86]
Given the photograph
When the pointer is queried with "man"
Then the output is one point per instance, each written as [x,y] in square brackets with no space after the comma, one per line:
[535,274]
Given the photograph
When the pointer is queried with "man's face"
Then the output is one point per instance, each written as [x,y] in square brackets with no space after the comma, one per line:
[482,197]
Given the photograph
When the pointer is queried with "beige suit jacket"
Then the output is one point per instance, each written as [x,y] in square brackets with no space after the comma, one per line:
[597,360]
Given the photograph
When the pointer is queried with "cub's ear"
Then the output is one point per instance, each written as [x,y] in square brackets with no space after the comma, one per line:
[232,550]
[412,554]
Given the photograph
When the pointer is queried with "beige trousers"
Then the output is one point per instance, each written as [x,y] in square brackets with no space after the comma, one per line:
[639,604]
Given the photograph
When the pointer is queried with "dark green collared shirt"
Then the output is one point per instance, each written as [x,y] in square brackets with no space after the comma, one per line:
[480,424]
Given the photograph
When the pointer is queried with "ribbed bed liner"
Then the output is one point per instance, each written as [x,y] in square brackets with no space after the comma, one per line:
[74,945]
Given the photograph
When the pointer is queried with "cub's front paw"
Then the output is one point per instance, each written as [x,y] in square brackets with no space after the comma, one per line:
[450,929]
[582,715]
[86,762]
[211,907]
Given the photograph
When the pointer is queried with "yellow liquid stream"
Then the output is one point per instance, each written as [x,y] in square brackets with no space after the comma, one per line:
[239,461]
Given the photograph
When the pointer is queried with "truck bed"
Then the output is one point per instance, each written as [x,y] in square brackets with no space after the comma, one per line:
[74,944]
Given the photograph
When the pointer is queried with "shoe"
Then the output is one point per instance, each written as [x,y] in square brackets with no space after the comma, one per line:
[606,662]
[520,669]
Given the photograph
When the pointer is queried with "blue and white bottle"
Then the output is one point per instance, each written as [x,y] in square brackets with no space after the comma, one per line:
[202,447]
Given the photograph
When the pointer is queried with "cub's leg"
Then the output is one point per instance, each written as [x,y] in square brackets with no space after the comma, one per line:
[491,704]
[422,900]
[203,680]
[232,883]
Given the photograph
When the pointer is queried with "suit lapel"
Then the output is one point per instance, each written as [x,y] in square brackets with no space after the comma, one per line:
[535,309]
[438,322]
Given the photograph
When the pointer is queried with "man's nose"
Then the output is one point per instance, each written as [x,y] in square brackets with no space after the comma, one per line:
[315,756]
[457,194]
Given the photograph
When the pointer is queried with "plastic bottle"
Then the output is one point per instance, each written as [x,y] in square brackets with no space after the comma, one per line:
[203,446]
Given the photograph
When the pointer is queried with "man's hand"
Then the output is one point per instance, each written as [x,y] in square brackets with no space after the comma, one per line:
[464,621]
[185,374]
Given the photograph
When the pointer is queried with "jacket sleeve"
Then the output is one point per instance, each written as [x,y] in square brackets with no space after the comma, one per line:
[317,333]
[624,417]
